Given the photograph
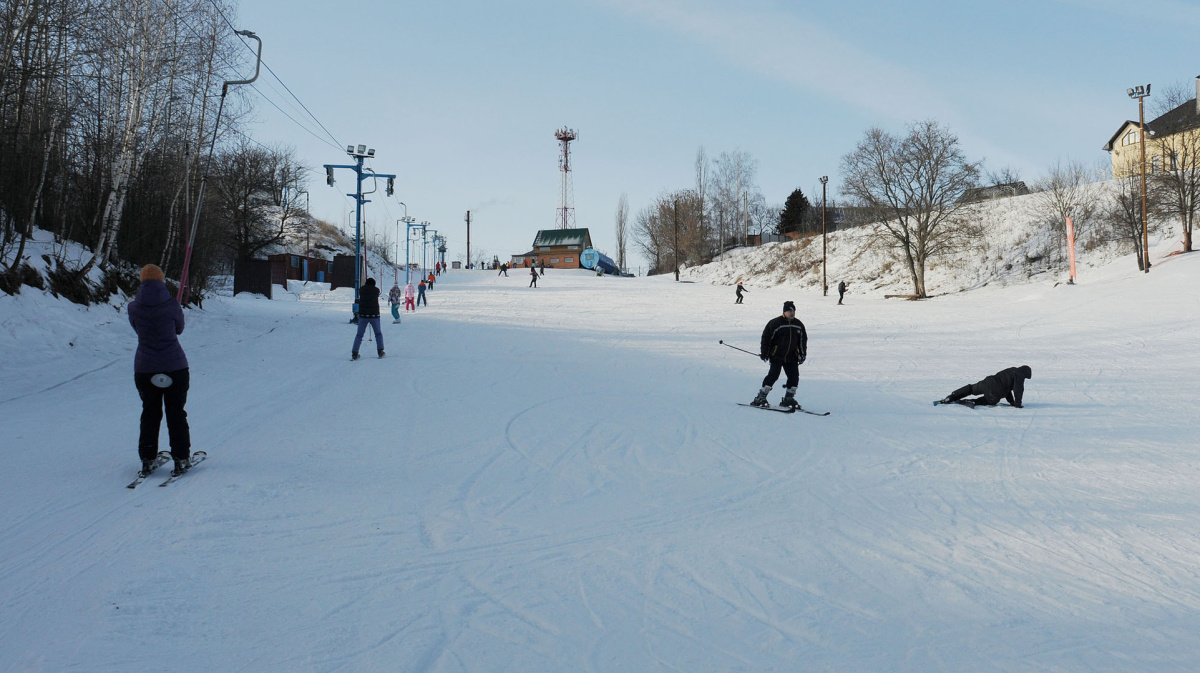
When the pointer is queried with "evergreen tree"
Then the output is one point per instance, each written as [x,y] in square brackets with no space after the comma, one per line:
[795,213]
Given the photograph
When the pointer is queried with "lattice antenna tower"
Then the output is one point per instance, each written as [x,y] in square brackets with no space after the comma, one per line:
[564,217]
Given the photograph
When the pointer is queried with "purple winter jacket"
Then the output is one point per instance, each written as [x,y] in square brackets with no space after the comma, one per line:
[157,319]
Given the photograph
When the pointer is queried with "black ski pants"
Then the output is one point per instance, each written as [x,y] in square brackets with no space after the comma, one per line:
[173,397]
[792,369]
[984,388]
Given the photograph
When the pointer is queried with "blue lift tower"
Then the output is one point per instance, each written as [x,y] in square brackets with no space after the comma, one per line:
[360,154]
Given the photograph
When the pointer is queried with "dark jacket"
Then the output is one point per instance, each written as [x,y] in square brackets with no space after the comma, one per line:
[368,301]
[785,340]
[1008,384]
[741,289]
[158,320]
[842,287]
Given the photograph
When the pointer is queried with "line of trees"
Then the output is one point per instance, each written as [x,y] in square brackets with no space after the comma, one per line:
[106,112]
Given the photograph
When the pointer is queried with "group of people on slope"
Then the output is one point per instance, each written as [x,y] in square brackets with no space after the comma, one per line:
[841,291]
[784,344]
[162,376]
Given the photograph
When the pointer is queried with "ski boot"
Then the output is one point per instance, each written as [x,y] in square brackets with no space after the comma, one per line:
[760,400]
[354,356]
[789,399]
[181,466]
[147,468]
[380,352]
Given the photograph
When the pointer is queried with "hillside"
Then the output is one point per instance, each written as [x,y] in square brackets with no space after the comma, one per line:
[1017,248]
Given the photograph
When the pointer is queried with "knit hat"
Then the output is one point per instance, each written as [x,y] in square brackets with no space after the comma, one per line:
[151,272]
[371,282]
[789,306]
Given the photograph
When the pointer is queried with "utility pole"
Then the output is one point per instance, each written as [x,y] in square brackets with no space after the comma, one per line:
[675,218]
[183,296]
[824,241]
[360,154]
[468,239]
[1140,93]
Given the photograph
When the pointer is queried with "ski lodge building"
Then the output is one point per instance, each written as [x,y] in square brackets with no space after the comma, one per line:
[558,248]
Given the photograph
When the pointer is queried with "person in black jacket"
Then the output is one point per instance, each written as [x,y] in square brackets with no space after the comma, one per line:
[740,290]
[842,291]
[785,345]
[1008,384]
[368,314]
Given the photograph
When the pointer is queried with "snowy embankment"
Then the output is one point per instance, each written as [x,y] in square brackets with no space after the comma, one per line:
[1016,248]
[558,479]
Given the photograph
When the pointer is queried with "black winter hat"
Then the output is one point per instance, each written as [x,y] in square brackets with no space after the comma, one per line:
[371,282]
[789,306]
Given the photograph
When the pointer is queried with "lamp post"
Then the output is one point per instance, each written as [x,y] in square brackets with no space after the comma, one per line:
[824,242]
[1140,93]
[397,268]
[675,219]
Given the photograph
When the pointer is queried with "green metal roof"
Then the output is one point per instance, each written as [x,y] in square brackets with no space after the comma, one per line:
[549,237]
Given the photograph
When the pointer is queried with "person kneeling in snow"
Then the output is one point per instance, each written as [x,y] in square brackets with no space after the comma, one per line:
[1008,384]
[785,344]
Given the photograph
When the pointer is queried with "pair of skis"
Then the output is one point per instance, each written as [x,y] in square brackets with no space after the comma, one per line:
[785,410]
[163,458]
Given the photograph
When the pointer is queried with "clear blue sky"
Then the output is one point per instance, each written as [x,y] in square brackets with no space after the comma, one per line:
[461,98]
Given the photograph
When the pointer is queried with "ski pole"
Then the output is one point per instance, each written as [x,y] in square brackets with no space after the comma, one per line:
[737,349]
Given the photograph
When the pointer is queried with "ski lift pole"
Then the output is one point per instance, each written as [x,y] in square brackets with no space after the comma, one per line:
[183,296]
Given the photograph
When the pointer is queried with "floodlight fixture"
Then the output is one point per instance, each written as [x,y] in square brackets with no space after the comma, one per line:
[371,152]
[361,149]
[350,148]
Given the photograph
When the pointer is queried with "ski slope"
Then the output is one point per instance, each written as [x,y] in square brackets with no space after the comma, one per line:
[558,479]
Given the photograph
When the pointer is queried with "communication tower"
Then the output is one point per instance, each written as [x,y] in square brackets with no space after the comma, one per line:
[564,217]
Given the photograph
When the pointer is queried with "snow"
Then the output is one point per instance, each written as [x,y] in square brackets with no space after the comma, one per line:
[558,479]
[1015,247]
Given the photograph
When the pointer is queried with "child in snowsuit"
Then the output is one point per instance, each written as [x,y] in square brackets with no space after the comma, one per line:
[394,296]
[740,290]
[785,344]
[409,293]
[1007,384]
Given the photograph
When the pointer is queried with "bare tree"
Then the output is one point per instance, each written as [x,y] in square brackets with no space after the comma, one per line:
[1178,180]
[703,170]
[1063,193]
[622,226]
[913,186]
[1123,214]
[734,180]
[1171,96]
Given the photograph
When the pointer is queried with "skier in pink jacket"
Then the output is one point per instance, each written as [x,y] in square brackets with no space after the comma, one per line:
[409,293]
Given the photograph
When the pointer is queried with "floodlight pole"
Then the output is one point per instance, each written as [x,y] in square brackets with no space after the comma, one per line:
[824,241]
[183,295]
[396,269]
[675,219]
[409,226]
[360,154]
[1140,93]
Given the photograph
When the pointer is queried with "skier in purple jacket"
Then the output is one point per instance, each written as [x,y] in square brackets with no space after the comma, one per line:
[160,370]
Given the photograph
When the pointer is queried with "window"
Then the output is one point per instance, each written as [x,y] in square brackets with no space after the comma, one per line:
[1154,164]
[570,259]
[554,260]
[543,247]
[1130,138]
[572,247]
[1174,161]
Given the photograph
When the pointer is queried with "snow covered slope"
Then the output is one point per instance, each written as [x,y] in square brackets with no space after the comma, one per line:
[1016,248]
[558,479]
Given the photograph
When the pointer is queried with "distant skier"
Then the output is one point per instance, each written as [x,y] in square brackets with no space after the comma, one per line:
[533,277]
[431,280]
[740,290]
[503,270]
[421,294]
[160,370]
[785,344]
[841,291]
[368,314]
[409,293]
[1007,384]
[542,265]
[394,297]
